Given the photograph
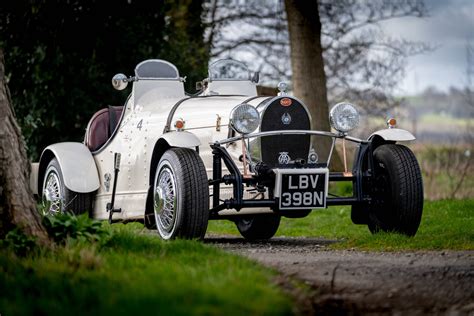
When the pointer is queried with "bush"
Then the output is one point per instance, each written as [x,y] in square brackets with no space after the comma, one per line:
[69,226]
[18,242]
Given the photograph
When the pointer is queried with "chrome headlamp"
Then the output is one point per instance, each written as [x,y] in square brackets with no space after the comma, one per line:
[244,118]
[344,117]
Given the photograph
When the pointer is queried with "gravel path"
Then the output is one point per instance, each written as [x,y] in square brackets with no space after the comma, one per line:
[360,282]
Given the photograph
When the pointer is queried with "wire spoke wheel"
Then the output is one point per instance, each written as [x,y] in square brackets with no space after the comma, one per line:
[53,194]
[181,195]
[165,200]
[57,198]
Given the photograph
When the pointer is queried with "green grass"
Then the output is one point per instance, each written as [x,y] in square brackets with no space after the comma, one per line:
[135,273]
[131,272]
[447,224]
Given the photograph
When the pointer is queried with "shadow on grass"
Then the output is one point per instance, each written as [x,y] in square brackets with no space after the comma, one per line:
[276,241]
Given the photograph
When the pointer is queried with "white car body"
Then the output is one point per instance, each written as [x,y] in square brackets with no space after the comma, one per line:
[146,128]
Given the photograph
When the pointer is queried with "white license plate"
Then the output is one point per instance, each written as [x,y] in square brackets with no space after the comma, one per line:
[299,189]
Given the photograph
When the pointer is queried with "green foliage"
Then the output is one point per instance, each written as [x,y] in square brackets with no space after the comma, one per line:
[18,242]
[60,57]
[66,226]
[447,224]
[135,271]
[341,188]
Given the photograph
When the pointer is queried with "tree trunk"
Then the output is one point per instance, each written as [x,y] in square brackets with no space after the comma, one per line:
[309,78]
[17,206]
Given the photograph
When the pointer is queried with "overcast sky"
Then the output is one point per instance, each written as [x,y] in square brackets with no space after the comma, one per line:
[449,26]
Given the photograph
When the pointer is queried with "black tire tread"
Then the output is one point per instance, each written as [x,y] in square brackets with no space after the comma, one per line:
[260,226]
[196,194]
[406,200]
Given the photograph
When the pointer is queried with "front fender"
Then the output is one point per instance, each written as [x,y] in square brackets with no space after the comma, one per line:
[393,134]
[181,139]
[77,166]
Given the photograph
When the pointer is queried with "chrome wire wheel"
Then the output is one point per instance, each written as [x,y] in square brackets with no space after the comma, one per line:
[53,195]
[57,198]
[181,195]
[165,201]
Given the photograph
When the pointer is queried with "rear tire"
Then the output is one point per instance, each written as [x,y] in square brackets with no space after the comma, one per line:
[259,226]
[181,195]
[57,198]
[398,191]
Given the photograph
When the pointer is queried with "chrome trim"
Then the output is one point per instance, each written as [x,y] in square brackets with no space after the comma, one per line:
[165,201]
[288,132]
[355,139]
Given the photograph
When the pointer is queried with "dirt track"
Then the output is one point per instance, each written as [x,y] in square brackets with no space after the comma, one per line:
[358,282]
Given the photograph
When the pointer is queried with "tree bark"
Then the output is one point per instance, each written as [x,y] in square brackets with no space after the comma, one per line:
[309,78]
[17,206]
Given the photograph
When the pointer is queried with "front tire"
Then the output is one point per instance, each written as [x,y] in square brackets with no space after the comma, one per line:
[398,191]
[57,198]
[181,195]
[258,226]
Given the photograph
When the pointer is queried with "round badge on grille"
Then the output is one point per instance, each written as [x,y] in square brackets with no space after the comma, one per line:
[286,102]
[284,158]
[286,118]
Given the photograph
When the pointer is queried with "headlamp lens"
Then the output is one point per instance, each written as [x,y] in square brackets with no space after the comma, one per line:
[344,117]
[245,118]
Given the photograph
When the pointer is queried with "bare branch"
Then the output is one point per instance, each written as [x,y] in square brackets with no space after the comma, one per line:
[358,58]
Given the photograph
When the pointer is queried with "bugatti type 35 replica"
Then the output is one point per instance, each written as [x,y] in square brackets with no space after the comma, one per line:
[175,160]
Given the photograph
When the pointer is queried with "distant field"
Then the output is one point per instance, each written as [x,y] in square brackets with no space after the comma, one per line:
[447,224]
[137,273]
[435,120]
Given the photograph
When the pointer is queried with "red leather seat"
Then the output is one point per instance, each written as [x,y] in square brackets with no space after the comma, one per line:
[101,127]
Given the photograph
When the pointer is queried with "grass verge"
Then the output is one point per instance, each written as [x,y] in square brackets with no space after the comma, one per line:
[447,224]
[131,273]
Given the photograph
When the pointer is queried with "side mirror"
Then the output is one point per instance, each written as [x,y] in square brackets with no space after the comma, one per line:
[119,81]
[256,77]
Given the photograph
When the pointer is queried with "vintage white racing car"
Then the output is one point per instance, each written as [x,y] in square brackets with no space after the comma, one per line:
[175,161]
